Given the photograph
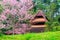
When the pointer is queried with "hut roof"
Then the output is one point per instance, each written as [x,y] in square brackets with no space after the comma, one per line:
[39,13]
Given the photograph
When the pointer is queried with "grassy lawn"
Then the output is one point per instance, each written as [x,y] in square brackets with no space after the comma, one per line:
[33,36]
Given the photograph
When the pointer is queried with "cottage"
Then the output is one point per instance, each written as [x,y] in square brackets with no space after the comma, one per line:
[38,22]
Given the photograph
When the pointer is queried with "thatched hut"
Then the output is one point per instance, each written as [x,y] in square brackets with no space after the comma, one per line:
[38,21]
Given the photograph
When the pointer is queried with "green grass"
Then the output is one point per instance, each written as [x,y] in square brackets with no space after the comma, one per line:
[33,36]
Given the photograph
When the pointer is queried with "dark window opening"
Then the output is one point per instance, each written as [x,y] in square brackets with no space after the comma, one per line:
[39,23]
[39,17]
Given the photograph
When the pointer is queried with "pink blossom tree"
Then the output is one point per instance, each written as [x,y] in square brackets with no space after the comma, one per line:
[15,11]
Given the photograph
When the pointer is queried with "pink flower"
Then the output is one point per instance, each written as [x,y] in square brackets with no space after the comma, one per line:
[3,17]
[7,11]
[13,2]
[23,1]
[18,8]
[13,11]
[21,19]
[24,8]
[19,5]
[4,1]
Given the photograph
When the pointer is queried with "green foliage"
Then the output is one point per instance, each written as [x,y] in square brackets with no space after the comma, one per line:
[58,0]
[53,6]
[57,18]
[1,34]
[1,9]
[53,26]
[40,6]
[47,1]
[3,30]
[50,7]
[33,36]
[56,28]
[4,22]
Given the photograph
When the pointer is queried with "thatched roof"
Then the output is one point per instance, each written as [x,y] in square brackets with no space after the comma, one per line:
[39,13]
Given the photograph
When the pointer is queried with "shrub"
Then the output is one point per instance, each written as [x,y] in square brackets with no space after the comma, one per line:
[52,26]
[56,28]
[3,30]
[48,26]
